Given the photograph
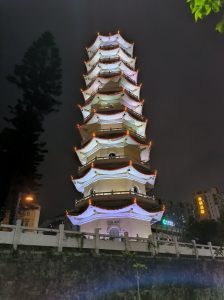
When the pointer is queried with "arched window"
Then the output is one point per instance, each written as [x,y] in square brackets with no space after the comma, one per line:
[114,232]
[135,189]
[112,155]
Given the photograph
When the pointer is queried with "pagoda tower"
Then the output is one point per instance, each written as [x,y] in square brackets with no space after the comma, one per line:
[115,176]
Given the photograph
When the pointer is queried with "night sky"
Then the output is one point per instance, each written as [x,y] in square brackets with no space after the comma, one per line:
[182,69]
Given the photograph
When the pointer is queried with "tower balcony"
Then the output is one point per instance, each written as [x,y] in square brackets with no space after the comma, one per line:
[108,133]
[113,46]
[112,109]
[108,74]
[114,162]
[117,199]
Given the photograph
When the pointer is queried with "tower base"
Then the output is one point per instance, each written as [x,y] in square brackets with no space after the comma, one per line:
[118,227]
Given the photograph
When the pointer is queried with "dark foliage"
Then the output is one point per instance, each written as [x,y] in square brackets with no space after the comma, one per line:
[205,231]
[39,75]
[21,151]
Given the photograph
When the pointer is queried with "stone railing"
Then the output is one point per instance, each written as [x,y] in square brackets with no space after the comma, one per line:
[17,235]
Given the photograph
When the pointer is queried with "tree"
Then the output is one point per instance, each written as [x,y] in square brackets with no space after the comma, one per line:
[138,268]
[205,231]
[21,150]
[202,8]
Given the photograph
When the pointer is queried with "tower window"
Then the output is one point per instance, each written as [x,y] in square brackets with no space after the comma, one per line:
[135,189]
[114,232]
[91,192]
[112,155]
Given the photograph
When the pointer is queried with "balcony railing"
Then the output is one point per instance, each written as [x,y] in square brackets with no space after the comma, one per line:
[117,158]
[102,158]
[100,132]
[116,193]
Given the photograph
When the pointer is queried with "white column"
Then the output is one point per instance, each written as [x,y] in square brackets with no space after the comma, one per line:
[211,250]
[60,237]
[97,240]
[17,232]
[195,248]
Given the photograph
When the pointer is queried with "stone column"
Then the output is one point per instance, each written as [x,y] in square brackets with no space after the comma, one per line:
[17,233]
[60,237]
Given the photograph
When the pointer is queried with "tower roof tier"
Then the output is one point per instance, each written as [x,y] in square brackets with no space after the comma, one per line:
[133,211]
[110,41]
[112,84]
[116,117]
[128,172]
[116,109]
[109,101]
[104,69]
[97,143]
[109,56]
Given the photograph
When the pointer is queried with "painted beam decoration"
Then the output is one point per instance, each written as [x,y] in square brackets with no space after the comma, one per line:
[114,152]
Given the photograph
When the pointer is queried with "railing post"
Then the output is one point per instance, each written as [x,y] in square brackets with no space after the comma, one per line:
[16,236]
[151,245]
[176,246]
[61,237]
[195,248]
[126,242]
[97,240]
[211,250]
[156,248]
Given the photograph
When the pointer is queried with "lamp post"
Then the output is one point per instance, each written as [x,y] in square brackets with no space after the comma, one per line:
[22,196]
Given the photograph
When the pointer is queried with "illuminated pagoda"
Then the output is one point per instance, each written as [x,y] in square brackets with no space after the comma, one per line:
[115,177]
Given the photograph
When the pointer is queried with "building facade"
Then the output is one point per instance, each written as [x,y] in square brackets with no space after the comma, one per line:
[115,176]
[178,212]
[209,204]
[28,211]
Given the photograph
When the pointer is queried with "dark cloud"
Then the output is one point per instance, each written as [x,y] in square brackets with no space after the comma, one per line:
[181,67]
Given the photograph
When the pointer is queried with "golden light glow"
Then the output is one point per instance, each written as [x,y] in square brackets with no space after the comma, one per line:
[202,211]
[199,198]
[29,198]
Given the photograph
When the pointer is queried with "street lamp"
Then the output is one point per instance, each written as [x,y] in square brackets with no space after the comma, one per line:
[22,197]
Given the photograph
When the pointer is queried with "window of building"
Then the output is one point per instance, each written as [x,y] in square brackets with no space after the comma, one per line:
[112,155]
